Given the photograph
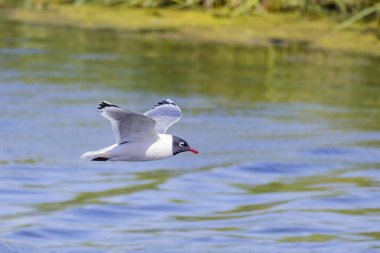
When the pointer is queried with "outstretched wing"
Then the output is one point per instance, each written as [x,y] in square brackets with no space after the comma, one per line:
[128,126]
[165,113]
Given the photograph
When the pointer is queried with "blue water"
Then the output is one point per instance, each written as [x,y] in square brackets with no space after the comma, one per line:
[289,145]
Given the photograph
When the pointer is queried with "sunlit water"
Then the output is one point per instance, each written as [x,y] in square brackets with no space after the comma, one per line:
[289,145]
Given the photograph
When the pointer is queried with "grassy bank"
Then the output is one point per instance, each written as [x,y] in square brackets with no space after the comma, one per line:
[259,28]
[337,8]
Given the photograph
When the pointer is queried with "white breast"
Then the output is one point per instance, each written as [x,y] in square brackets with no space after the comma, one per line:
[162,148]
[144,151]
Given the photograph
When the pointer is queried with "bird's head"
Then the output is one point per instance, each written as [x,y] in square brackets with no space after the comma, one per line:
[179,145]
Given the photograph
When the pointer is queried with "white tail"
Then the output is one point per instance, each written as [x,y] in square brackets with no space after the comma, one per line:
[99,155]
[94,154]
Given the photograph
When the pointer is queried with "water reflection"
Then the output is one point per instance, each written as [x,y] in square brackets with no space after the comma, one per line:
[258,74]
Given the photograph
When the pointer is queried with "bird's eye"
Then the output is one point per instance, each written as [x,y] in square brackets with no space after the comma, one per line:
[181,144]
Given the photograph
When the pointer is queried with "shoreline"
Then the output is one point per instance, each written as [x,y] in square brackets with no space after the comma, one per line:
[261,29]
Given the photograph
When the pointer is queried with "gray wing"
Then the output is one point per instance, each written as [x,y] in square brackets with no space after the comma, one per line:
[128,126]
[165,113]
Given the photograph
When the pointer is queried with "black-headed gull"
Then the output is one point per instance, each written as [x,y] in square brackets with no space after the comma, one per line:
[141,137]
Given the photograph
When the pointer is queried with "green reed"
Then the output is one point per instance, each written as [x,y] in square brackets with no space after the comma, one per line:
[342,9]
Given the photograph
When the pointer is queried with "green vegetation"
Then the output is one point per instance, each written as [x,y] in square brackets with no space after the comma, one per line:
[290,18]
[344,25]
[355,9]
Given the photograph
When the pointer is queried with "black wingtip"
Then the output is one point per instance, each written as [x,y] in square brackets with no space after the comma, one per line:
[103,104]
[102,159]
[164,102]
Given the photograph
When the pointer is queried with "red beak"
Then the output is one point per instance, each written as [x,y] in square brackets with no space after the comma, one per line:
[193,150]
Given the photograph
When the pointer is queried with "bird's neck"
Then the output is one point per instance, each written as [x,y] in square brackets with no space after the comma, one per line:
[162,148]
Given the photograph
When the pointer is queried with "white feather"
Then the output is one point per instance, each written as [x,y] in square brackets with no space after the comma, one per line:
[143,151]
[165,113]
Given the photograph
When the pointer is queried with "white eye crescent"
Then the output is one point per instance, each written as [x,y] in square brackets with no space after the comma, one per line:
[181,144]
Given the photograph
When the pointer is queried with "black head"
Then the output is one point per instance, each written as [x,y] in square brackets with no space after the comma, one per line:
[180,145]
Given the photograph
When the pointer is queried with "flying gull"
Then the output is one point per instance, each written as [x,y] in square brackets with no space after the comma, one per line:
[141,137]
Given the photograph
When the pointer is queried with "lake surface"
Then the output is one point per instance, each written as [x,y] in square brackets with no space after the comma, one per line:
[289,143]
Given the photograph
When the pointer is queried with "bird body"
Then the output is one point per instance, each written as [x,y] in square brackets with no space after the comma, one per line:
[141,137]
